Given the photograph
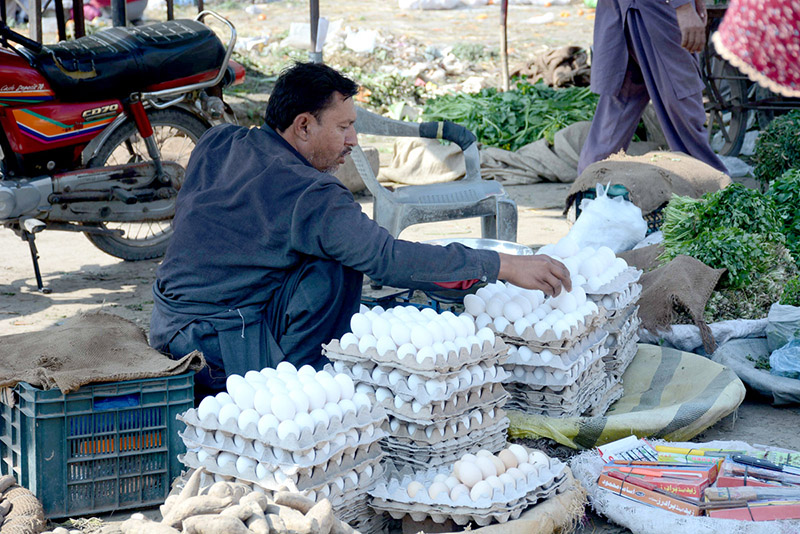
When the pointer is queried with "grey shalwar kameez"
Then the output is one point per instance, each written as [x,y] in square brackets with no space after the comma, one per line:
[637,57]
[267,257]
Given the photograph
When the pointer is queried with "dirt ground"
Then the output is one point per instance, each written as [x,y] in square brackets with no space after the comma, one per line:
[83,278]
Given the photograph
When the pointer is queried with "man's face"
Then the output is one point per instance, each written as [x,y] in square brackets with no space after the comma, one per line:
[333,136]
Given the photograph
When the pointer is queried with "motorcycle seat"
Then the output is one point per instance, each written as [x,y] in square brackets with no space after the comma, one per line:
[116,62]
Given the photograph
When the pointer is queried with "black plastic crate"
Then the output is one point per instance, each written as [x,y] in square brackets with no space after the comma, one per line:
[104,447]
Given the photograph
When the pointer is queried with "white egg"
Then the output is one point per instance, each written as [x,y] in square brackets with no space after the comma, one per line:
[474,343]
[347,406]
[286,368]
[468,322]
[591,306]
[521,325]
[348,340]
[580,295]
[400,334]
[399,403]
[558,375]
[234,382]
[385,345]
[266,423]
[368,341]
[371,315]
[316,395]
[208,407]
[416,407]
[474,305]
[334,411]
[539,374]
[448,332]
[332,390]
[495,307]
[501,323]
[565,247]
[512,311]
[540,313]
[202,455]
[561,328]
[346,386]
[244,396]
[540,328]
[381,328]
[528,470]
[261,471]
[464,378]
[439,349]
[245,465]
[594,283]
[480,490]
[620,264]
[450,348]
[320,418]
[546,355]
[394,377]
[361,401]
[590,268]
[406,350]
[535,297]
[520,452]
[477,373]
[525,354]
[421,336]
[223,398]
[300,401]
[435,387]
[229,413]
[255,379]
[225,459]
[425,354]
[485,293]
[288,430]
[519,372]
[485,334]
[482,320]
[381,394]
[414,488]
[304,422]
[248,417]
[282,407]
[568,303]
[538,458]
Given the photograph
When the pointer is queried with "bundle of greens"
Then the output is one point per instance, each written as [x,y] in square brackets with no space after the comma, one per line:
[778,148]
[791,293]
[785,193]
[738,229]
[517,117]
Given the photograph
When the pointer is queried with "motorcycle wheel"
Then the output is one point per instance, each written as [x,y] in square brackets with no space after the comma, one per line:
[176,134]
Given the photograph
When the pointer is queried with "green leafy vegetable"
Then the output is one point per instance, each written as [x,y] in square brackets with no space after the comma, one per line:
[791,293]
[785,193]
[778,148]
[514,118]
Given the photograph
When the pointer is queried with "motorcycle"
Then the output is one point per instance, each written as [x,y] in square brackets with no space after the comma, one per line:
[96,132]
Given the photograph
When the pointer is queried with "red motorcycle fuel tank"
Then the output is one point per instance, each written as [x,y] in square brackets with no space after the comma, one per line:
[33,118]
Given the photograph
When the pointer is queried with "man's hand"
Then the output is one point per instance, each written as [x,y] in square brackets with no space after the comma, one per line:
[692,22]
[535,272]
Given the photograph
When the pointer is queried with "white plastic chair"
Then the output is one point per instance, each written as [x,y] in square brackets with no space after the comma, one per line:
[469,197]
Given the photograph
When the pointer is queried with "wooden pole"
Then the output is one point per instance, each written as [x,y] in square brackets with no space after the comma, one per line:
[314,56]
[504,44]
[78,18]
[35,20]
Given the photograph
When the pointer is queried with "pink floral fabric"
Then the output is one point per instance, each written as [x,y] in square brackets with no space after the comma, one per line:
[762,39]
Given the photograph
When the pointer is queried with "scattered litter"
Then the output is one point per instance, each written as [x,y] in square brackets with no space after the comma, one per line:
[542,19]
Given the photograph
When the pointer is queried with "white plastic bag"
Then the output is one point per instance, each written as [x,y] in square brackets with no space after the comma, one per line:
[783,325]
[428,4]
[613,222]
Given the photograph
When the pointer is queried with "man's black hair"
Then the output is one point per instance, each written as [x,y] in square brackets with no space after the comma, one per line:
[304,88]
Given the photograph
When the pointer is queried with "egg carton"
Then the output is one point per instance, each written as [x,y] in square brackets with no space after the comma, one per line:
[563,360]
[591,396]
[611,395]
[339,364]
[618,284]
[281,470]
[504,504]
[373,524]
[453,386]
[301,479]
[549,340]
[618,338]
[339,446]
[402,455]
[613,305]
[485,397]
[622,358]
[545,376]
[440,364]
[399,429]
[446,446]
[308,439]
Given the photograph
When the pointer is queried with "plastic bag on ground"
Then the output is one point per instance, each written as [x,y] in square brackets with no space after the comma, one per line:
[786,360]
[783,325]
[613,222]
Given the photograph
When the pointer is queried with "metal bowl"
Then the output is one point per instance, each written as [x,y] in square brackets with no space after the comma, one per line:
[504,247]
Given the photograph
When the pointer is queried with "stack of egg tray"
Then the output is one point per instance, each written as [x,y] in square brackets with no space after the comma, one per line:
[439,408]
[504,504]
[577,374]
[339,462]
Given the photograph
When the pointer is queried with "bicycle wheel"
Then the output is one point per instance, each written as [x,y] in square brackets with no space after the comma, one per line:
[176,133]
[727,118]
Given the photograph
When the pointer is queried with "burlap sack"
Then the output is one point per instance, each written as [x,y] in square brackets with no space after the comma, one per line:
[85,349]
[558,67]
[684,282]
[652,178]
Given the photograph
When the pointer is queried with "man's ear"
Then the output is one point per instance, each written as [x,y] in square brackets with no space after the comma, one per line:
[300,126]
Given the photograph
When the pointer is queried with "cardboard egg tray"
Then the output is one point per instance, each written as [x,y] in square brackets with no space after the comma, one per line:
[440,364]
[484,397]
[453,386]
[504,504]
[621,358]
[308,439]
[620,301]
[362,367]
[289,461]
[566,361]
[527,375]
[549,340]
[622,328]
[618,284]
[590,341]
[537,402]
[612,392]
[402,454]
[443,432]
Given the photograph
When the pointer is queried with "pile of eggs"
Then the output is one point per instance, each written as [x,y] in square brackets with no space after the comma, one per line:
[477,476]
[588,267]
[409,331]
[500,304]
[286,400]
